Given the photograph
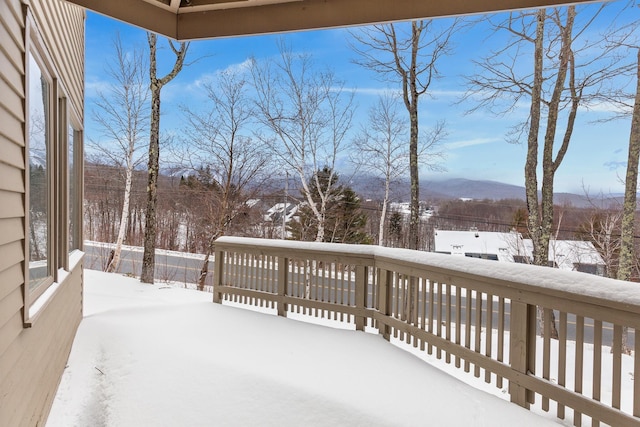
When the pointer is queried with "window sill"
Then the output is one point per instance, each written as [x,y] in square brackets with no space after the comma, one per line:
[39,305]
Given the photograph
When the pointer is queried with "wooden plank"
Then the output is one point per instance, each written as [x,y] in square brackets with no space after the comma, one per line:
[11,230]
[636,374]
[448,319]
[283,279]
[562,358]
[578,366]
[458,321]
[478,331]
[439,302]
[597,365]
[10,255]
[10,305]
[501,334]
[11,278]
[12,125]
[546,353]
[488,334]
[467,326]
[519,350]
[12,153]
[9,331]
[361,295]
[11,100]
[616,371]
[12,178]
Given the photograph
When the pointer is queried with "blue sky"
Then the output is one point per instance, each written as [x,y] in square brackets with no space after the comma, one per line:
[476,146]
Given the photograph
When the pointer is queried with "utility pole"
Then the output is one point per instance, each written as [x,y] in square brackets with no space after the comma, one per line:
[284,207]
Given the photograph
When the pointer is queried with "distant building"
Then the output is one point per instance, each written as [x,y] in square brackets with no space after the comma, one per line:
[573,255]
[279,215]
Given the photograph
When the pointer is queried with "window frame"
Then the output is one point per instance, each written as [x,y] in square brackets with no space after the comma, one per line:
[62,115]
[35,51]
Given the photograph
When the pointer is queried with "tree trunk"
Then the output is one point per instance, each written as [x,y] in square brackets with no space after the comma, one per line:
[149,258]
[627,248]
[124,219]
[150,225]
[412,105]
[204,271]
[383,214]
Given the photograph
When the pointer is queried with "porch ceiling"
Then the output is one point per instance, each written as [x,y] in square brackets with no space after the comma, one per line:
[195,19]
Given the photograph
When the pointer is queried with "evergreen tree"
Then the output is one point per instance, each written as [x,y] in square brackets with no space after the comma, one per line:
[344,220]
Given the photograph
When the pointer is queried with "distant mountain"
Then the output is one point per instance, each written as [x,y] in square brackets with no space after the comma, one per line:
[457,188]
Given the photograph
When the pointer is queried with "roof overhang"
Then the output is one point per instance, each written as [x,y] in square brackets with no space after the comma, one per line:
[196,19]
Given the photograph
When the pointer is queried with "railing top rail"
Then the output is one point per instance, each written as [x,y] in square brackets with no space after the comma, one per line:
[569,285]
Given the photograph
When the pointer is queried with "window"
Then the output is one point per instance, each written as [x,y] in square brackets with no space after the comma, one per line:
[40,182]
[74,181]
[53,136]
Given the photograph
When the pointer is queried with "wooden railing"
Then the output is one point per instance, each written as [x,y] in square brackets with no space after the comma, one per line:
[482,316]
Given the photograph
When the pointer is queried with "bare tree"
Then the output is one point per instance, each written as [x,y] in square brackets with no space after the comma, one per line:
[627,247]
[408,56]
[218,141]
[308,114]
[568,69]
[602,228]
[380,148]
[122,115]
[156,85]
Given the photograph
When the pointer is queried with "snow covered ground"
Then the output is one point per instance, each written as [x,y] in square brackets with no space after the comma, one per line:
[164,356]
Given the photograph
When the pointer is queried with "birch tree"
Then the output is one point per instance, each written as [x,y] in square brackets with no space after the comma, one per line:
[122,115]
[307,114]
[408,55]
[380,148]
[218,140]
[156,85]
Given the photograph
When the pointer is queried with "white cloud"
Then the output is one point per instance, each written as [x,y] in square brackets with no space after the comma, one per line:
[238,68]
[470,142]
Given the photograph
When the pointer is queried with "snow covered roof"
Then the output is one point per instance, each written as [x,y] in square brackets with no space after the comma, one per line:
[503,245]
[565,254]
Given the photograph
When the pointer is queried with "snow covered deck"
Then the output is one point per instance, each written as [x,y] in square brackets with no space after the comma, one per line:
[163,356]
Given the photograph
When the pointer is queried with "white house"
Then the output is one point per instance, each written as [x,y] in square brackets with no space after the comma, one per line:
[511,247]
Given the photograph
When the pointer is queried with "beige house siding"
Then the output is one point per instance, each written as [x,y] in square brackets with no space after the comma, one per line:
[32,359]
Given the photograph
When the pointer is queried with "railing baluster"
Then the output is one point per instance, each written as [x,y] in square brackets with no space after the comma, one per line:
[500,356]
[597,365]
[478,331]
[562,357]
[636,374]
[439,316]
[547,317]
[616,371]
[488,334]
[467,327]
[458,320]
[423,308]
[431,313]
[577,416]
[361,294]
[448,320]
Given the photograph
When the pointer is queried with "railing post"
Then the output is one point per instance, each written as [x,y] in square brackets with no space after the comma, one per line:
[384,301]
[361,294]
[283,278]
[522,348]
[218,270]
